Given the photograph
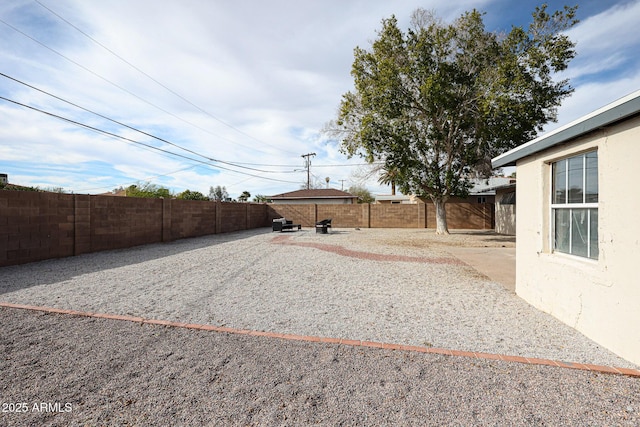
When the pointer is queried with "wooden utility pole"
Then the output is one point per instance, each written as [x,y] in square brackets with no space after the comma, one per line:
[308,165]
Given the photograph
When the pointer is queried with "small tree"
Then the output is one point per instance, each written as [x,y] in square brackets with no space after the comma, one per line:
[148,190]
[244,196]
[364,196]
[438,102]
[313,184]
[218,194]
[191,195]
[260,198]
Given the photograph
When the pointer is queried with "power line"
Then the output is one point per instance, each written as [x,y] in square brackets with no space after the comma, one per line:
[153,79]
[135,129]
[122,88]
[92,128]
[130,183]
[235,164]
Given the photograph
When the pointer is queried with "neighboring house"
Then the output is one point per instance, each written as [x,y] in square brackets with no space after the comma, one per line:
[118,193]
[396,199]
[577,234]
[482,191]
[505,208]
[317,196]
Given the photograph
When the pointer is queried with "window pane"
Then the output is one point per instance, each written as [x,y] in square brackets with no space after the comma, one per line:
[591,190]
[579,230]
[575,179]
[559,182]
[594,233]
[561,236]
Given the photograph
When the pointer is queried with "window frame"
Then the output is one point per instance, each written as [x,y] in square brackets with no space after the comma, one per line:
[570,207]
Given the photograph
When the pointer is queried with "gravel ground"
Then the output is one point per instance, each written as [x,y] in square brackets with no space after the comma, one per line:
[278,282]
[396,286]
[98,372]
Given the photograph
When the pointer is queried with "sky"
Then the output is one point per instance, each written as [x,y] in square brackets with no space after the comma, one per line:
[200,93]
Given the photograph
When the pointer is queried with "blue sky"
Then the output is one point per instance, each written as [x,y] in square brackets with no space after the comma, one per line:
[244,87]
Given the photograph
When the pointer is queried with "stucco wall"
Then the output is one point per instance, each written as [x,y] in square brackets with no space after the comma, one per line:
[600,297]
[505,214]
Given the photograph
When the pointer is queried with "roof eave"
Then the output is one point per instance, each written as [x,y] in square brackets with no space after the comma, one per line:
[314,197]
[619,110]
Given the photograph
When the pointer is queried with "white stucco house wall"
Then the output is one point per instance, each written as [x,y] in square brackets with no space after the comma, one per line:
[578,227]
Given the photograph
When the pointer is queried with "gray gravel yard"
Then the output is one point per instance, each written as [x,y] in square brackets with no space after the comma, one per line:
[114,373]
[272,282]
[394,286]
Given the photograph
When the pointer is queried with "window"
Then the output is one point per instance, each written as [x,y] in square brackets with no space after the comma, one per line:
[508,198]
[574,205]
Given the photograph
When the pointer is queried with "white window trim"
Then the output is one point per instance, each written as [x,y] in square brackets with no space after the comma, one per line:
[570,206]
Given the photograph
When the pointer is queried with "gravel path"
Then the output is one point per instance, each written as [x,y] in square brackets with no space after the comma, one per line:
[395,286]
[98,372]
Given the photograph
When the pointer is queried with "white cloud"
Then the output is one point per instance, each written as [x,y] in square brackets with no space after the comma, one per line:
[272,71]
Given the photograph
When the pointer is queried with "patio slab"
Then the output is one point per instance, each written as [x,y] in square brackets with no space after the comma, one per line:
[498,264]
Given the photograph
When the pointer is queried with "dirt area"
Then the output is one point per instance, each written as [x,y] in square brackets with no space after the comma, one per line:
[457,238]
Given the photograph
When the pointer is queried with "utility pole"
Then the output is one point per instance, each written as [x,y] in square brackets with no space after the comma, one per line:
[342,181]
[308,166]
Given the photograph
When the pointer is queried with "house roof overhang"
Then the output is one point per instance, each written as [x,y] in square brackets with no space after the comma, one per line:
[617,111]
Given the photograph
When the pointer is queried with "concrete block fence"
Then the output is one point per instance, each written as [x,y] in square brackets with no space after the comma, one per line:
[462,215]
[35,226]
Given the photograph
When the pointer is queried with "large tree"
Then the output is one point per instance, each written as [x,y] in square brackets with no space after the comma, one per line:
[438,102]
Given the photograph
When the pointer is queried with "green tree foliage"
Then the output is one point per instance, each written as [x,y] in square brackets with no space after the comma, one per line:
[389,176]
[244,196]
[260,198]
[14,187]
[218,194]
[148,190]
[438,102]
[364,196]
[191,195]
[59,190]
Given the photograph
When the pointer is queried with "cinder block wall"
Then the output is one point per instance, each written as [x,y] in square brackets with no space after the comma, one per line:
[399,216]
[190,219]
[345,216]
[35,225]
[122,222]
[299,214]
[473,216]
[460,215]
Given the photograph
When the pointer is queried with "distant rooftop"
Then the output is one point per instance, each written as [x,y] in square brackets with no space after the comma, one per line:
[324,193]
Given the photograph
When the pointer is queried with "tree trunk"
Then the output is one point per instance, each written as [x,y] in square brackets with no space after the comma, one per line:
[393,188]
[441,217]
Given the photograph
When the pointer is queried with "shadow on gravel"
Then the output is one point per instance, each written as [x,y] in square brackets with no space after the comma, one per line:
[502,239]
[16,277]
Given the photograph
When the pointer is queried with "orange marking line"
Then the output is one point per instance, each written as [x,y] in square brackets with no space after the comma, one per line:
[335,341]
